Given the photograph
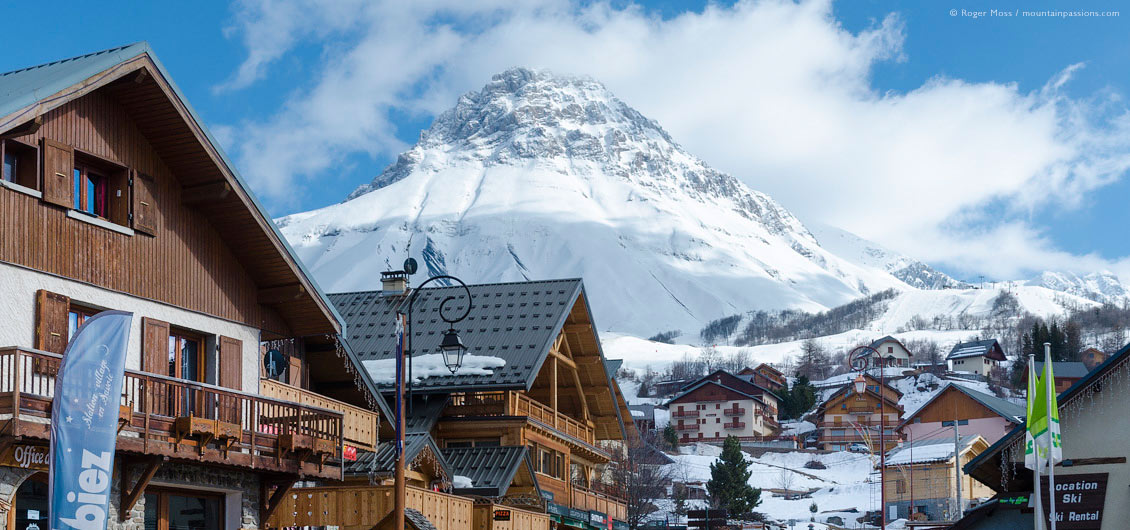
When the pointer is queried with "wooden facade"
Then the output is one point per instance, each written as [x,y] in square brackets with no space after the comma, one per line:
[851,418]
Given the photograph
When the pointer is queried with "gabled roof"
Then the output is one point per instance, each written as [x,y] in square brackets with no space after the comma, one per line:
[516,322]
[1002,407]
[740,380]
[765,366]
[977,348]
[31,92]
[1064,369]
[705,382]
[974,467]
[887,339]
[932,450]
[383,460]
[491,469]
[424,412]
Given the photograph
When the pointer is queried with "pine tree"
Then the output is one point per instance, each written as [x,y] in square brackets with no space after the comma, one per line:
[671,436]
[729,481]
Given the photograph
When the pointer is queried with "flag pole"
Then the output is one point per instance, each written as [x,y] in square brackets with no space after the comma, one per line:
[1038,507]
[1049,398]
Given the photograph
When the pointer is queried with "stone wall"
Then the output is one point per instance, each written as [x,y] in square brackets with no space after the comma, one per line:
[10,480]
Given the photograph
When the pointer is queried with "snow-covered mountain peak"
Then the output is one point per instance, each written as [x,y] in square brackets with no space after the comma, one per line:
[566,124]
[543,176]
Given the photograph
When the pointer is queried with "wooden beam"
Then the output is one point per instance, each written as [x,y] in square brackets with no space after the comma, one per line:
[28,127]
[579,327]
[553,390]
[205,193]
[581,393]
[130,497]
[269,502]
[556,355]
[1103,460]
[281,294]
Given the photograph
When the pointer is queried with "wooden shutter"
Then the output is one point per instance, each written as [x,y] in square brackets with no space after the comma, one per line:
[58,170]
[144,210]
[154,346]
[51,321]
[231,363]
[295,372]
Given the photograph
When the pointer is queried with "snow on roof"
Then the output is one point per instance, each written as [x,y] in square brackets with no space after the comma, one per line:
[978,348]
[927,451]
[383,371]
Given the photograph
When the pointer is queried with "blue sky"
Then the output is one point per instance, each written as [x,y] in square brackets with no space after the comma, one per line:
[915,45]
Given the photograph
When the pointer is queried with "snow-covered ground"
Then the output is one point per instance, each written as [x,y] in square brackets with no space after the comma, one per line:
[846,483]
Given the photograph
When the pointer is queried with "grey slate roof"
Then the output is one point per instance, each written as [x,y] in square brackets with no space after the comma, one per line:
[647,409]
[1064,369]
[516,322]
[384,458]
[491,469]
[417,520]
[1002,407]
[424,412]
[977,348]
[937,453]
[700,384]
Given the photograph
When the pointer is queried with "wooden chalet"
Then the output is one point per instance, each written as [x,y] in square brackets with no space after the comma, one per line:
[711,411]
[979,357]
[115,196]
[848,417]
[533,426]
[922,480]
[975,412]
[766,376]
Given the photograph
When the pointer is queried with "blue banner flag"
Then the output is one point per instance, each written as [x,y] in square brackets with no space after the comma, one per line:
[84,422]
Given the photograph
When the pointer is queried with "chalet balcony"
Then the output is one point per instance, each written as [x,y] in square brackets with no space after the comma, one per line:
[184,420]
[577,496]
[684,414]
[734,411]
[734,425]
[360,425]
[686,426]
[512,403]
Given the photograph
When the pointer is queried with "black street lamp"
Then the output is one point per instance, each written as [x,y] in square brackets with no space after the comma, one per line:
[452,349]
[858,360]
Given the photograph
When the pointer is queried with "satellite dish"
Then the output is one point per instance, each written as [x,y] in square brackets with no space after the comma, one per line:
[410,266]
[274,362]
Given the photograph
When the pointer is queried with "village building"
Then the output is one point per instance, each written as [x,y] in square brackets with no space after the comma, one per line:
[528,425]
[850,416]
[975,412]
[891,351]
[979,357]
[1092,357]
[643,416]
[711,411]
[765,376]
[1066,373]
[1093,470]
[116,197]
[921,478]
[746,385]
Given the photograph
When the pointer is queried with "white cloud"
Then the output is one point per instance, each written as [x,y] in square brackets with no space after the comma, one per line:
[774,92]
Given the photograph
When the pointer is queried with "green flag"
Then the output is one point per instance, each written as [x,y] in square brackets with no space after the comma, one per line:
[1036,417]
[1054,442]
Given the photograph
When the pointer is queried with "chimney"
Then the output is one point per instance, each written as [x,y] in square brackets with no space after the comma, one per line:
[393,283]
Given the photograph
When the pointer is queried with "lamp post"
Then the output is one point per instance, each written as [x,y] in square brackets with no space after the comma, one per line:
[858,359]
[452,349]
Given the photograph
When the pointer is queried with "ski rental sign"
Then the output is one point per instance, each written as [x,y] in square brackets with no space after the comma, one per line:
[84,422]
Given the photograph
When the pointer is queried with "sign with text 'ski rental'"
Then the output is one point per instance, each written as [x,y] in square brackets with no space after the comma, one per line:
[84,422]
[1079,500]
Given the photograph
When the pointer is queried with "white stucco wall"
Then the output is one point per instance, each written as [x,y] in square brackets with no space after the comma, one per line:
[978,365]
[18,287]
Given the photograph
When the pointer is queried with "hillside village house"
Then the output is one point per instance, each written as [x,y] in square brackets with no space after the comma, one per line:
[975,412]
[115,196]
[527,426]
[850,416]
[979,357]
[1066,373]
[920,480]
[721,404]
[892,352]
[1094,429]
[1092,357]
[765,376]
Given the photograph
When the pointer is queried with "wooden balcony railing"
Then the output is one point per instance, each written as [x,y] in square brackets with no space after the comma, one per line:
[185,419]
[734,425]
[686,426]
[365,506]
[590,499]
[684,414]
[512,403]
[734,411]
[360,425]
